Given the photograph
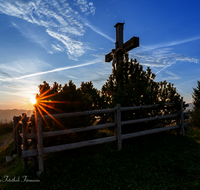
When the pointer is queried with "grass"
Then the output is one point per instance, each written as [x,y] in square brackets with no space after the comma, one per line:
[6,127]
[161,161]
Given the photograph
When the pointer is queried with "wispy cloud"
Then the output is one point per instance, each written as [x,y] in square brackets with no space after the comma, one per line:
[85,7]
[172,43]
[171,76]
[166,67]
[163,57]
[53,70]
[62,22]
[95,29]
[74,48]
[188,81]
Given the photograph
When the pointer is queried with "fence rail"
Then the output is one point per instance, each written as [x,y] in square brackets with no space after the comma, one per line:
[37,146]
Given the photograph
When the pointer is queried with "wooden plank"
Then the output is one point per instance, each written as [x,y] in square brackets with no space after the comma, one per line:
[29,153]
[14,131]
[108,57]
[131,44]
[147,132]
[24,142]
[115,119]
[94,112]
[148,119]
[46,150]
[119,127]
[18,138]
[67,131]
[40,144]
[78,144]
[71,114]
[34,145]
[144,107]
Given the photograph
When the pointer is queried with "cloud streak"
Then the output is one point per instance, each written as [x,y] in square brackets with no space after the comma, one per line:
[59,69]
[173,43]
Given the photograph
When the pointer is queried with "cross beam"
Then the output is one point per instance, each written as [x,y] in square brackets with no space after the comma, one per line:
[124,47]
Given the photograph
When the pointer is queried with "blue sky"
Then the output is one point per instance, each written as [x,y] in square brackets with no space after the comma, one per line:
[62,40]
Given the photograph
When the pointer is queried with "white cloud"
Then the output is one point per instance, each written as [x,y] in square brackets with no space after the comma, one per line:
[163,57]
[56,16]
[87,8]
[173,43]
[50,14]
[172,76]
[97,60]
[74,48]
[57,47]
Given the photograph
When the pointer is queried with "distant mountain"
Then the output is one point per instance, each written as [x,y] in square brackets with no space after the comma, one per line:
[191,106]
[9,114]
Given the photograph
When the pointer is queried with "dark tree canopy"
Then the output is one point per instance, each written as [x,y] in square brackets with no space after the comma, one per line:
[132,86]
[195,113]
[196,95]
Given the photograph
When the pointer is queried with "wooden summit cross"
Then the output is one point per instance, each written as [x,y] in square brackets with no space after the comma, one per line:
[120,47]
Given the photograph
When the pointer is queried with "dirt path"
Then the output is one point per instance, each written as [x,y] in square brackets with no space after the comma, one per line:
[6,140]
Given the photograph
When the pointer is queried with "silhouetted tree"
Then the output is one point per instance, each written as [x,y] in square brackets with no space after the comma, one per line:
[195,113]
[67,98]
[132,86]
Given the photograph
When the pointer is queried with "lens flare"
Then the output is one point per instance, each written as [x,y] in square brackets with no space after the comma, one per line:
[33,100]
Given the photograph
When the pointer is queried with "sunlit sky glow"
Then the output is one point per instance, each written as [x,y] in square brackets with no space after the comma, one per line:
[60,40]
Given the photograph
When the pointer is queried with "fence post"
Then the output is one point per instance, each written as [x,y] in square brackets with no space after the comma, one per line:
[34,144]
[40,143]
[14,132]
[182,118]
[178,121]
[119,126]
[18,138]
[24,142]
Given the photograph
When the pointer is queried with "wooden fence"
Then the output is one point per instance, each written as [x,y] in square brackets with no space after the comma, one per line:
[37,150]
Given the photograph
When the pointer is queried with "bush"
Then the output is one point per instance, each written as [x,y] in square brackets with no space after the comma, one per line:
[6,127]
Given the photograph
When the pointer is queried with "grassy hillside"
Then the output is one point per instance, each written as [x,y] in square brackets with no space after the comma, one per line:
[164,161]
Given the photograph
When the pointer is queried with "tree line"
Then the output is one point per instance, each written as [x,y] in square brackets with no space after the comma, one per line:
[129,85]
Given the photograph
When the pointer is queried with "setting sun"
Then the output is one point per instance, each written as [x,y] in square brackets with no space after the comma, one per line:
[33,100]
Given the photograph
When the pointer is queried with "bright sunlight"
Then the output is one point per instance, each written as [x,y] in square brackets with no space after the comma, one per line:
[33,100]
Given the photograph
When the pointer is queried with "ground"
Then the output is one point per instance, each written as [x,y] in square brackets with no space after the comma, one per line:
[6,140]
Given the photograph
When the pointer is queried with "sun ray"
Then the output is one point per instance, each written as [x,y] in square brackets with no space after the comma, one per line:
[36,126]
[42,88]
[45,93]
[29,118]
[50,95]
[19,121]
[51,107]
[52,117]
[43,117]
[57,102]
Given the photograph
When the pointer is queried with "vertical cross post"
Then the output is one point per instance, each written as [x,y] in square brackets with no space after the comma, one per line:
[120,46]
[119,40]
